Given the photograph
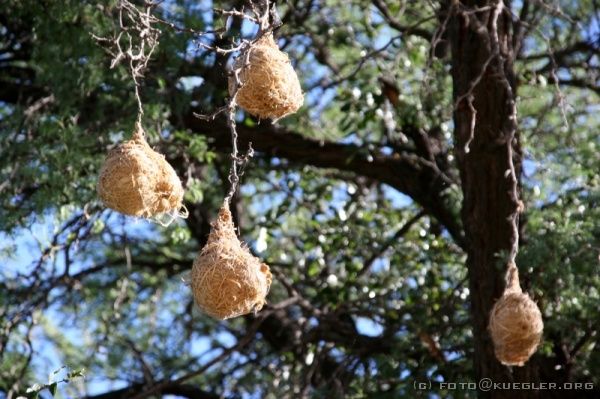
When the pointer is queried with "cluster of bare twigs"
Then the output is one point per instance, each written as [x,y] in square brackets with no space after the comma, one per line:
[497,60]
[265,16]
[138,38]
[32,291]
[499,8]
[135,42]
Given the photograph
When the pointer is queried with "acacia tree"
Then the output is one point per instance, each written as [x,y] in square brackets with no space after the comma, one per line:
[384,207]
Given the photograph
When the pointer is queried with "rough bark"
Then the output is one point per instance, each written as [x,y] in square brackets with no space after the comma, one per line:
[487,203]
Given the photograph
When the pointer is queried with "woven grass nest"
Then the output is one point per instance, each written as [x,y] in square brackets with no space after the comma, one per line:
[269,85]
[136,180]
[226,279]
[515,324]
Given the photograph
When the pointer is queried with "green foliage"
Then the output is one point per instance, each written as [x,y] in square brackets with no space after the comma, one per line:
[33,392]
[108,293]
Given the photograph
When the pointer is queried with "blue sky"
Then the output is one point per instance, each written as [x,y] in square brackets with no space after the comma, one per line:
[28,243]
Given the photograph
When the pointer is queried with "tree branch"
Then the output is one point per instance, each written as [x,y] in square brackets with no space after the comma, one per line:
[393,239]
[395,23]
[414,176]
[185,390]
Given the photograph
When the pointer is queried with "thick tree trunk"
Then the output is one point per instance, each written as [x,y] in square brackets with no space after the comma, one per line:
[482,66]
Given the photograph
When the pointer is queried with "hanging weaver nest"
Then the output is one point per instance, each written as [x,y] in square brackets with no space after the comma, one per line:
[226,279]
[269,84]
[138,181]
[515,324]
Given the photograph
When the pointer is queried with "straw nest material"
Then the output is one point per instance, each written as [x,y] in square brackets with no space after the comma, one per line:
[269,84]
[138,181]
[515,324]
[226,279]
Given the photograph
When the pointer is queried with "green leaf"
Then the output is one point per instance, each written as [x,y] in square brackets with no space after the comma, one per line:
[76,373]
[52,388]
[313,269]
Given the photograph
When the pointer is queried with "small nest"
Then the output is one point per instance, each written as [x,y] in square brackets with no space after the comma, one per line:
[270,86]
[226,279]
[515,324]
[136,180]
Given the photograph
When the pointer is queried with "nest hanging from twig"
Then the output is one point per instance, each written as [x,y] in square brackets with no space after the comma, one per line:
[136,180]
[226,279]
[515,324]
[269,85]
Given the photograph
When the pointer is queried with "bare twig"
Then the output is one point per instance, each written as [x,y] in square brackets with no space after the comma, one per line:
[387,244]
[363,60]
[499,59]
[140,39]
[562,103]
[242,342]
[261,16]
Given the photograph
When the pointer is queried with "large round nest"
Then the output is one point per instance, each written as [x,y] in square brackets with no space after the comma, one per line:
[136,180]
[269,85]
[515,325]
[226,279]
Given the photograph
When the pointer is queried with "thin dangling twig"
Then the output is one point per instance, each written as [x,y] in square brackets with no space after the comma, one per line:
[510,138]
[236,160]
[238,163]
[512,276]
[510,130]
[140,114]
[267,19]
[134,23]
